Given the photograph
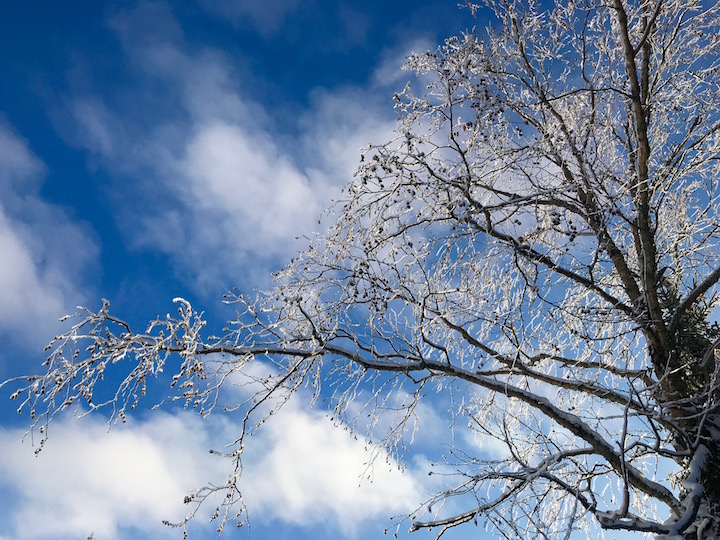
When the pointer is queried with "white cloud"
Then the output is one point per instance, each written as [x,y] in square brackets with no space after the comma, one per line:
[24,295]
[147,23]
[305,470]
[266,17]
[121,483]
[98,125]
[299,468]
[18,162]
[88,480]
[45,254]
[338,125]
[218,178]
[247,178]
[390,73]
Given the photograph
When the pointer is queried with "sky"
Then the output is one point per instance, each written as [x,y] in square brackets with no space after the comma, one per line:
[150,150]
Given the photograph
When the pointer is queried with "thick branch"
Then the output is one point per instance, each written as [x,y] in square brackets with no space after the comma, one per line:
[571,422]
[692,297]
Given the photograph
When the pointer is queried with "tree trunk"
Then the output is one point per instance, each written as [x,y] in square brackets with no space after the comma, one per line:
[692,390]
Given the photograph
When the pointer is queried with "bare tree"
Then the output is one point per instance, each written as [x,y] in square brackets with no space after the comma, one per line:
[540,243]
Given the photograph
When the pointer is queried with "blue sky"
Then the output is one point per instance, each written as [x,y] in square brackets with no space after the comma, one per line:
[150,150]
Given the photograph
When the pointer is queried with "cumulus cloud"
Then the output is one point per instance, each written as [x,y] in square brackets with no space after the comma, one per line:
[310,470]
[238,175]
[300,468]
[90,480]
[209,174]
[46,253]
